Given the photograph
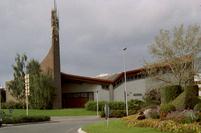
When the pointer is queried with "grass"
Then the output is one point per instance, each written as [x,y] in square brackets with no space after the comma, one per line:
[116,126]
[54,112]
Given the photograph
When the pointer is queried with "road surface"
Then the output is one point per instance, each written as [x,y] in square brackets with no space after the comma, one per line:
[56,125]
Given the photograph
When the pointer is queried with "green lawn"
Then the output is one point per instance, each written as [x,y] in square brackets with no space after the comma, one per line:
[116,126]
[58,112]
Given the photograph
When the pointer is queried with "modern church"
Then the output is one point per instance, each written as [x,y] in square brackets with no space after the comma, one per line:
[74,91]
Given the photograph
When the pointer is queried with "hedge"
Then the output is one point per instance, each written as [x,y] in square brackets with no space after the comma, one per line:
[169,93]
[12,105]
[115,105]
[117,108]
[197,107]
[92,105]
[118,113]
[187,99]
[191,96]
[24,119]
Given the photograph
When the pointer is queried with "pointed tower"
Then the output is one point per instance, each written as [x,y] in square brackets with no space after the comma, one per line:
[51,63]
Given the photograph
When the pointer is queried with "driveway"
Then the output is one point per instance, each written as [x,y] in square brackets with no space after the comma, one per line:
[56,125]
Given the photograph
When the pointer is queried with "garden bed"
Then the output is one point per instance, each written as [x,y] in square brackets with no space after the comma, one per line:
[163,125]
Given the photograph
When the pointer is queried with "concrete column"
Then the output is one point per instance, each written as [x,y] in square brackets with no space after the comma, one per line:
[111,92]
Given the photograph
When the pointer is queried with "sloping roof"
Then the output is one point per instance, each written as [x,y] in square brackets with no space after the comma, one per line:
[108,79]
[70,77]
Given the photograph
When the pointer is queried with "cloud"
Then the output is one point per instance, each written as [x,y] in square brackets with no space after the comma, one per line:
[92,33]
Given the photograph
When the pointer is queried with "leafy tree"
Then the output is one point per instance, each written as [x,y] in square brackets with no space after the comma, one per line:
[179,53]
[33,67]
[41,88]
[16,86]
[41,85]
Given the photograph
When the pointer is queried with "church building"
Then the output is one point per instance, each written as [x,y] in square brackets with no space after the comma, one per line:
[74,91]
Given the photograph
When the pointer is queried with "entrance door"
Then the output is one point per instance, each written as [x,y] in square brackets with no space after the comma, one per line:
[76,100]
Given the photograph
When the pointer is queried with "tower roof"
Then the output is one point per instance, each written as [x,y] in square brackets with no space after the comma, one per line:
[55,5]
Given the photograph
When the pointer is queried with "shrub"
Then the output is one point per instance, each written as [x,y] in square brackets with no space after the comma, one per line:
[115,113]
[186,116]
[169,93]
[117,105]
[191,96]
[154,115]
[152,97]
[179,102]
[167,108]
[92,105]
[135,104]
[187,99]
[197,107]
[24,119]
[12,105]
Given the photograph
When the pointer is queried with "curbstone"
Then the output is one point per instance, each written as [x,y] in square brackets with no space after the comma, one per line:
[81,131]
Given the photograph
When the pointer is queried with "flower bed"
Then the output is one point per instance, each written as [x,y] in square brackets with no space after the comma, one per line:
[163,125]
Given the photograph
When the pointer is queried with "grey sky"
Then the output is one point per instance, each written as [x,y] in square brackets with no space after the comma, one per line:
[92,32]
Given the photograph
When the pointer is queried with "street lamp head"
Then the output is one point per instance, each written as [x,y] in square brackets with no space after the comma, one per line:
[124,49]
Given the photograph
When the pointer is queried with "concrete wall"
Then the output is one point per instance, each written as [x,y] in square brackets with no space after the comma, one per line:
[152,83]
[85,87]
[133,87]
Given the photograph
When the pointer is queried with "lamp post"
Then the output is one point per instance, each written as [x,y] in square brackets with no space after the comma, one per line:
[125,89]
[1,88]
[97,106]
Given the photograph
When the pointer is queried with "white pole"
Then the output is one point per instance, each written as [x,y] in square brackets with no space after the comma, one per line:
[27,110]
[27,93]
[97,103]
[125,89]
[0,97]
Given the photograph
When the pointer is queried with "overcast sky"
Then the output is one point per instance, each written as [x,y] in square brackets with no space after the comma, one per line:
[92,32]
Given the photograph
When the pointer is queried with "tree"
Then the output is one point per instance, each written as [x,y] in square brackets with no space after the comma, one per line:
[179,53]
[33,67]
[41,86]
[16,86]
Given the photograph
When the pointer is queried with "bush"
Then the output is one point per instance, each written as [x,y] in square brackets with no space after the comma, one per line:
[167,108]
[116,105]
[186,116]
[135,104]
[154,115]
[152,97]
[187,99]
[191,96]
[115,113]
[24,119]
[12,105]
[179,102]
[92,105]
[197,107]
[169,93]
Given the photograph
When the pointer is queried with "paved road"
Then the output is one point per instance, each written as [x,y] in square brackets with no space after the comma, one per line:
[57,125]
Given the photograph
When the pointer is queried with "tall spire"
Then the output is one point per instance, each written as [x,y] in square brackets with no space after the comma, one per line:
[55,5]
